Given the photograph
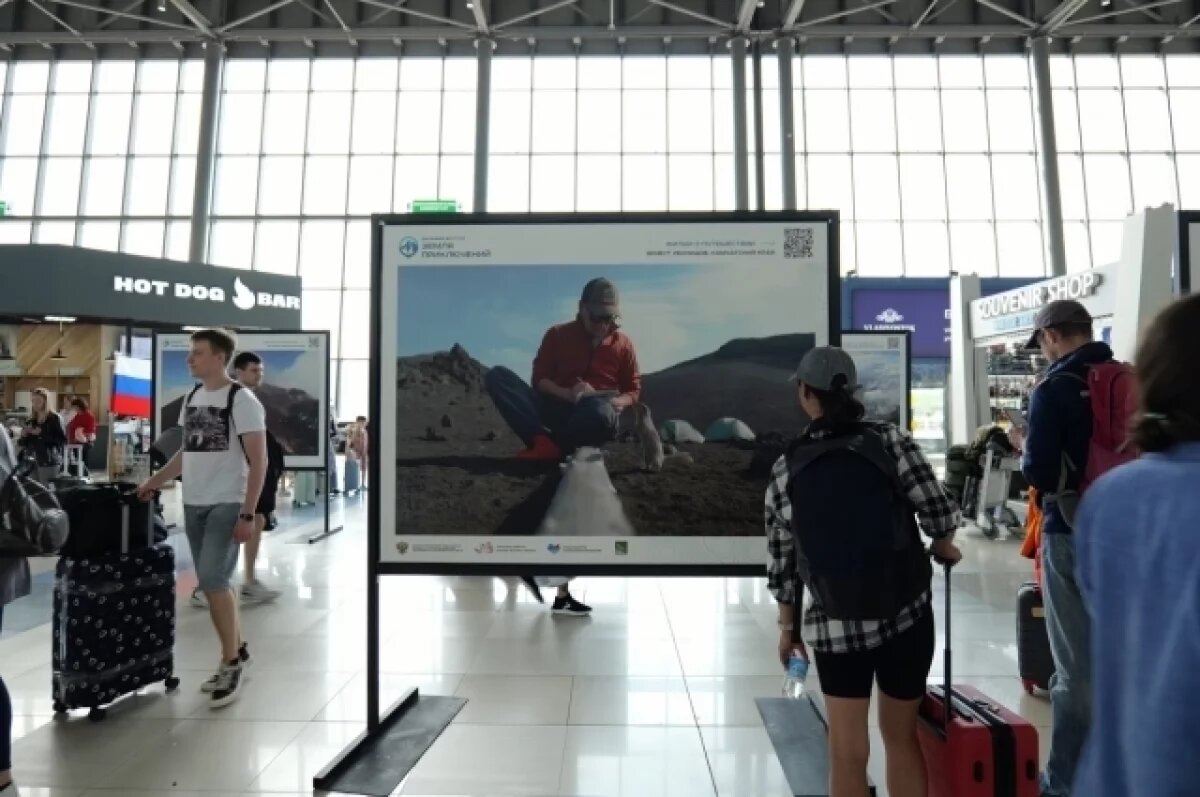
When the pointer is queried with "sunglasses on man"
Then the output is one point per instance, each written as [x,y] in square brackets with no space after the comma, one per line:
[611,318]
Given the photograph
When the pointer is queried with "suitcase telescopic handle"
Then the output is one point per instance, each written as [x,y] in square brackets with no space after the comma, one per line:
[947,706]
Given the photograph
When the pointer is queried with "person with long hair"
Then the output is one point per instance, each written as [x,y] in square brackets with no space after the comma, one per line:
[842,514]
[1138,543]
[44,437]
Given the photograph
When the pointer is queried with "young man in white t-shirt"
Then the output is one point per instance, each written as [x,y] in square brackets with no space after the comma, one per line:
[223,461]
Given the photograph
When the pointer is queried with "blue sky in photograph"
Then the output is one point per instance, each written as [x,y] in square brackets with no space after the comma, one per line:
[175,381]
[672,312]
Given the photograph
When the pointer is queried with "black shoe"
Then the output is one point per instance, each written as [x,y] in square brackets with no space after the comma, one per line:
[534,589]
[569,605]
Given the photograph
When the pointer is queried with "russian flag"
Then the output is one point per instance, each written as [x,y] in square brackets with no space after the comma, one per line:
[131,387]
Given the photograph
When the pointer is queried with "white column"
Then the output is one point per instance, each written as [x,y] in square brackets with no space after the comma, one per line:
[969,405]
[1144,282]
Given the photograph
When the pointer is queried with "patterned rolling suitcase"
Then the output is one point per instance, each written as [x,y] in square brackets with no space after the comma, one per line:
[114,623]
[1034,659]
[973,746]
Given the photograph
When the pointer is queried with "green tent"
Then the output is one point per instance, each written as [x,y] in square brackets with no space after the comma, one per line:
[724,430]
[680,432]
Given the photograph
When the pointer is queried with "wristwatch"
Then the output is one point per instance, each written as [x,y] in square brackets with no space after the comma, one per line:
[246,517]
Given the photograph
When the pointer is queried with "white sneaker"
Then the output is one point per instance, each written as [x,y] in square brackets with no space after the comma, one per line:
[258,592]
[228,685]
[210,685]
[199,599]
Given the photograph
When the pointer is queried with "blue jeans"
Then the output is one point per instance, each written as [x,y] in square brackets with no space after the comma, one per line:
[1068,623]
[592,421]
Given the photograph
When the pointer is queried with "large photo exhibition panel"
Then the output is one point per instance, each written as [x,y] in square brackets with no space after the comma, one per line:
[884,363]
[294,392]
[480,323]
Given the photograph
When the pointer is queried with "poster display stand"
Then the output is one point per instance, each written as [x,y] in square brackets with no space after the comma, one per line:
[294,393]
[696,323]
[884,361]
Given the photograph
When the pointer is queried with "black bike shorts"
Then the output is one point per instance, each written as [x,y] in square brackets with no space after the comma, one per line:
[900,665]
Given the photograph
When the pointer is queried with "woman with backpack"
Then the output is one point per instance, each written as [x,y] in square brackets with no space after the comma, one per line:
[1138,558]
[842,513]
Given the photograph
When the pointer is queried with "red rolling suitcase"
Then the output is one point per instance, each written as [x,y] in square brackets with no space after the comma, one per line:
[978,748]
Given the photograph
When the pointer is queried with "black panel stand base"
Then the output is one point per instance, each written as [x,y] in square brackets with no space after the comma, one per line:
[799,732]
[376,762]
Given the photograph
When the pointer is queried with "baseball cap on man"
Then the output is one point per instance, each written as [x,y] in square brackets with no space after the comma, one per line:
[600,297]
[820,368]
[1056,313]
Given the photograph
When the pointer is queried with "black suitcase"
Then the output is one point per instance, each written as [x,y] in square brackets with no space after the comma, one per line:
[95,512]
[114,622]
[1034,659]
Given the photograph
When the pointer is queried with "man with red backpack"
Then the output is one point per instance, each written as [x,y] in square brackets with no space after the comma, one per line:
[1078,421]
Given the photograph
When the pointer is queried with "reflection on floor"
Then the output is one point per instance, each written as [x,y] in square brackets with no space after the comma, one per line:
[654,695]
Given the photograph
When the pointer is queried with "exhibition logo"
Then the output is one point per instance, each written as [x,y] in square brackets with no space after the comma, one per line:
[889,316]
[554,547]
[622,548]
[486,547]
[402,547]
[409,247]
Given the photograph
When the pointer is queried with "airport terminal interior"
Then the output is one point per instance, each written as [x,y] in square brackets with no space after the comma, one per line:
[937,171]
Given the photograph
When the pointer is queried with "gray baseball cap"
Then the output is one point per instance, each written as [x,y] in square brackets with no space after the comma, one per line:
[1061,311]
[822,365]
[600,297]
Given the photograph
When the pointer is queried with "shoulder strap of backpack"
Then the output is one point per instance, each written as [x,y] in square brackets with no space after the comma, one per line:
[234,387]
[866,442]
[187,402]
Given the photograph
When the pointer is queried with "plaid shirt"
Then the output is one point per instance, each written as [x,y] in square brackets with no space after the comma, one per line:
[936,512]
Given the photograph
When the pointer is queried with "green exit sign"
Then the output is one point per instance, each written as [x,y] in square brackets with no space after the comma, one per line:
[433,206]
[3,208]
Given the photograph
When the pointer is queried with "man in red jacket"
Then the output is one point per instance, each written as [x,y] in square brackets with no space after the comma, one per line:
[584,375]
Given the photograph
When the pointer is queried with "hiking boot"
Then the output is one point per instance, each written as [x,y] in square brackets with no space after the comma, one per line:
[570,606]
[543,450]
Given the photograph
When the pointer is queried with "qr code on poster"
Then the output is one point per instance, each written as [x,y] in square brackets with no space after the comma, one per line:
[798,243]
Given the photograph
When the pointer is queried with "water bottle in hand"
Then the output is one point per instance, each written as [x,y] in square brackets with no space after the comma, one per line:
[797,671]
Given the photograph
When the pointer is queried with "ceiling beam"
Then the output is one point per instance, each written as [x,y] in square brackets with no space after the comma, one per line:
[123,15]
[237,23]
[1061,14]
[537,12]
[195,17]
[687,12]
[62,24]
[412,12]
[481,20]
[847,13]
[792,15]
[745,15]
[1014,16]
[1119,12]
[341,23]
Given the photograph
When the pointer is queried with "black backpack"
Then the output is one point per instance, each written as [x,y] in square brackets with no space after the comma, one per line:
[857,544]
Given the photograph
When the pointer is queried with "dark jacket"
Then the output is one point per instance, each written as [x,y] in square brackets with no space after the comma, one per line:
[1060,420]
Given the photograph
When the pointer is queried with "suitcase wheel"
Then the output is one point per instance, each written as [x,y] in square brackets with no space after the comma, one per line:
[60,707]
[171,683]
[97,714]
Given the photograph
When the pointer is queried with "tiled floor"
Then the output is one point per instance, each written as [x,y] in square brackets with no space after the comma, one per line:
[654,695]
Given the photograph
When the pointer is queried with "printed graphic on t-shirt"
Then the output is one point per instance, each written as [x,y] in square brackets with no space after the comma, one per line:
[205,430]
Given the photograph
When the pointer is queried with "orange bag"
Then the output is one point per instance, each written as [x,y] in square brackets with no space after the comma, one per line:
[1031,548]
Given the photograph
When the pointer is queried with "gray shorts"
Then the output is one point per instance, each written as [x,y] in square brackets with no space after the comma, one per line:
[210,536]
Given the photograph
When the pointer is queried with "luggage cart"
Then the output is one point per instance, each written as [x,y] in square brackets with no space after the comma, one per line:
[993,513]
